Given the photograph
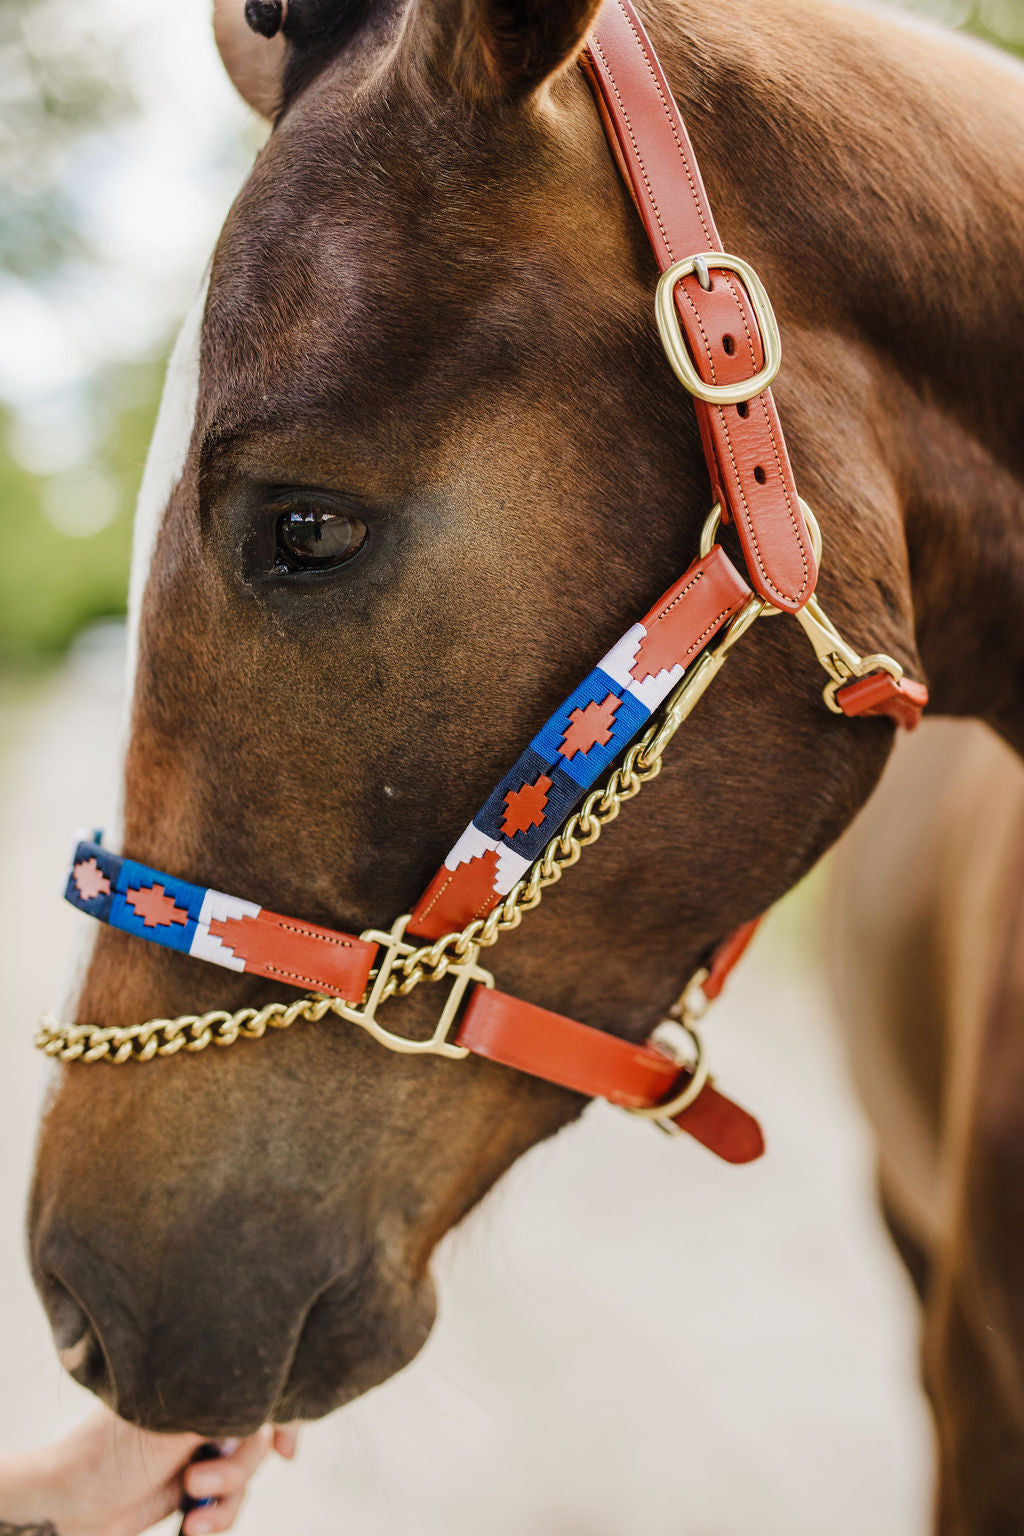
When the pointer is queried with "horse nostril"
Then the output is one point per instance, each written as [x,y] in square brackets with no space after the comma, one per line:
[78,1348]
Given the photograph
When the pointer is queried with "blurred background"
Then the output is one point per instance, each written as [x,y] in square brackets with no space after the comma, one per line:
[611,1347]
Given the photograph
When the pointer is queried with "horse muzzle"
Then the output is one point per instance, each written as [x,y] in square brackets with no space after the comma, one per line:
[217,1349]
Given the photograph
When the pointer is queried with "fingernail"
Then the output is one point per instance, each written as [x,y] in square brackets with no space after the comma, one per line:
[228,1447]
[204,1483]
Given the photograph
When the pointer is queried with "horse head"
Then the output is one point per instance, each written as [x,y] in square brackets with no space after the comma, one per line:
[431,463]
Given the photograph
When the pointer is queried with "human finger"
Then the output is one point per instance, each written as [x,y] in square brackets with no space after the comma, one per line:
[230,1473]
[219,1517]
[286,1440]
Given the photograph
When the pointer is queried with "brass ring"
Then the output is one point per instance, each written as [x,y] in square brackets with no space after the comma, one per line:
[713,522]
[694,1088]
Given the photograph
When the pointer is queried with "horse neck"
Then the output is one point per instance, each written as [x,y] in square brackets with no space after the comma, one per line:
[878,168]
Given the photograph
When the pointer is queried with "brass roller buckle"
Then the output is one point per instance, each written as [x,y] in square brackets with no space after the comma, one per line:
[674,342]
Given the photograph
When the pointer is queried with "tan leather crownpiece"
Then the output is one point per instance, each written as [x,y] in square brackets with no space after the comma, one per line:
[746,454]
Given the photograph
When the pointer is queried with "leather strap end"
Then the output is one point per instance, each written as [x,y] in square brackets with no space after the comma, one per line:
[901,699]
[726,957]
[724,1127]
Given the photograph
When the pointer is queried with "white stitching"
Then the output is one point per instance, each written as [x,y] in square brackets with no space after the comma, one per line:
[736,299]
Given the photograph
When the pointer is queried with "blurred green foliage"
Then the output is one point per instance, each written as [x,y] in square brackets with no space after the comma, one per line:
[999,21]
[58,82]
[66,536]
[53,582]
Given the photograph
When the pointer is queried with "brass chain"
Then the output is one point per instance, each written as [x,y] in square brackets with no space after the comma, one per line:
[194,1032]
[584,827]
[166,1037]
[430,962]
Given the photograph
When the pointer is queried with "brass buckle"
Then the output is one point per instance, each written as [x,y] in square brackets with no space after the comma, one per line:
[674,342]
[395,947]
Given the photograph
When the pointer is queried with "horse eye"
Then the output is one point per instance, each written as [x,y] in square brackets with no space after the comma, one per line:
[315,538]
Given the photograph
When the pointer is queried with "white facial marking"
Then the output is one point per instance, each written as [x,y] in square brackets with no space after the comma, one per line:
[164,462]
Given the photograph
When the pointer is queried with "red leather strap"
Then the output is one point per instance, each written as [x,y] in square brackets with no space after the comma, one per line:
[560,1050]
[726,957]
[287,949]
[902,699]
[747,459]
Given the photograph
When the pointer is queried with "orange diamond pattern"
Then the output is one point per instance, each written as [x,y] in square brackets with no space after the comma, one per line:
[524,808]
[156,908]
[590,726]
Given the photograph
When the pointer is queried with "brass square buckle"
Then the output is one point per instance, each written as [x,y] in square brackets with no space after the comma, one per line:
[395,948]
[674,342]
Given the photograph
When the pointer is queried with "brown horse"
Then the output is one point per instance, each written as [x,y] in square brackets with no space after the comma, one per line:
[429,321]
[928,940]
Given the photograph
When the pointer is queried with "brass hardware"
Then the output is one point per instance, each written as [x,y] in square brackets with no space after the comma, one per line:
[674,342]
[842,663]
[696,682]
[680,1040]
[383,985]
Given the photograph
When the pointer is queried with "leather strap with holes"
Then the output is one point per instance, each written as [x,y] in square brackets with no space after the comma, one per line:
[750,470]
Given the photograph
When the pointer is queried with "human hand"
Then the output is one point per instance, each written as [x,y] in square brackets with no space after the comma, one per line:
[226,1479]
[109,1478]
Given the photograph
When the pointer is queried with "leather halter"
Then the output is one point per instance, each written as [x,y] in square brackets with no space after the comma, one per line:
[721,338]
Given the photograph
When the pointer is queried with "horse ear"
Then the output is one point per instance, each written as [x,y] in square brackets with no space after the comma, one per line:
[252,47]
[501,50]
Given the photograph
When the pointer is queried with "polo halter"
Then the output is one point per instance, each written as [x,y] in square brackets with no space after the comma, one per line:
[722,341]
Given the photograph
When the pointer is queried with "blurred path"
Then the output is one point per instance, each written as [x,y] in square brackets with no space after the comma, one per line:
[633,1337]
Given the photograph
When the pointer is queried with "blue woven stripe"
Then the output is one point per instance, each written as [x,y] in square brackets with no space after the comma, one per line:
[570,777]
[125,877]
[587,767]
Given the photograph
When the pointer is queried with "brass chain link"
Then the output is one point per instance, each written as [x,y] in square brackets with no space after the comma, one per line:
[431,962]
[194,1032]
[584,827]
